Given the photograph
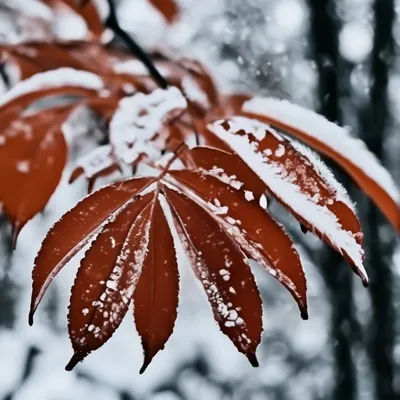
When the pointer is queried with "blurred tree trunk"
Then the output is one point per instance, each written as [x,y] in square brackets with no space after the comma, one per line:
[374,121]
[324,40]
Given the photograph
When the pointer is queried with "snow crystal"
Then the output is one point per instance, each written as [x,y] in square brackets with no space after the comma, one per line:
[325,173]
[111,285]
[263,201]
[248,195]
[54,79]
[319,216]
[223,177]
[317,127]
[23,166]
[280,151]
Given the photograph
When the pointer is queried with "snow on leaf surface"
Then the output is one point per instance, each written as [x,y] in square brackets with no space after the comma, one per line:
[291,178]
[140,118]
[76,228]
[107,277]
[223,271]
[229,168]
[249,225]
[335,142]
[33,154]
[54,79]
[156,294]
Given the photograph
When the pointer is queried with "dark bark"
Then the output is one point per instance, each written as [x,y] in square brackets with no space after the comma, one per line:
[324,39]
[374,121]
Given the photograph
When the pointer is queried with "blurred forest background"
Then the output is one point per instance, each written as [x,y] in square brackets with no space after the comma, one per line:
[340,58]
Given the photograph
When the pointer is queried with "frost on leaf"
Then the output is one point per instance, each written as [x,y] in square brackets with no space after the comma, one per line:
[223,270]
[74,230]
[293,180]
[62,78]
[335,142]
[250,226]
[140,119]
[156,294]
[107,277]
[229,168]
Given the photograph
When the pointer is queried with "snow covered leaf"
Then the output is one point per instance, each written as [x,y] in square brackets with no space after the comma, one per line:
[107,277]
[156,294]
[62,78]
[168,8]
[36,57]
[310,192]
[249,225]
[231,169]
[74,230]
[223,270]
[334,142]
[88,11]
[33,153]
[140,119]
[63,81]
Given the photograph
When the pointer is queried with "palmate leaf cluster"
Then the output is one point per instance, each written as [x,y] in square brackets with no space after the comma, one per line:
[214,161]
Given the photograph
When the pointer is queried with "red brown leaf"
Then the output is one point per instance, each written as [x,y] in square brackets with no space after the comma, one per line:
[313,196]
[168,8]
[74,230]
[33,153]
[223,271]
[106,279]
[229,168]
[334,142]
[156,294]
[259,236]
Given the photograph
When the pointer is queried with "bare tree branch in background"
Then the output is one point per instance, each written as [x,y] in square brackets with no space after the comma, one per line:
[344,326]
[374,121]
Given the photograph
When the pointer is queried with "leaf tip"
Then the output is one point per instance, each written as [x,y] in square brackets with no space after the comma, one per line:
[146,363]
[16,229]
[30,318]
[253,359]
[75,359]
[304,314]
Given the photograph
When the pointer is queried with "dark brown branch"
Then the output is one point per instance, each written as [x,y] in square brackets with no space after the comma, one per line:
[375,117]
[113,24]
[345,327]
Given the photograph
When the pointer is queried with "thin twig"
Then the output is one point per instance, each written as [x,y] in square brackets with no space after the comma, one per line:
[113,24]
